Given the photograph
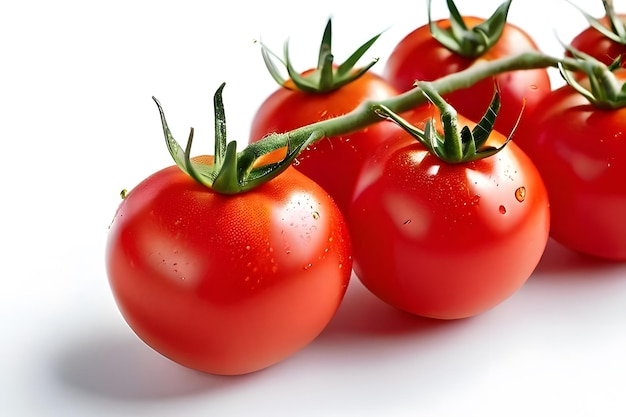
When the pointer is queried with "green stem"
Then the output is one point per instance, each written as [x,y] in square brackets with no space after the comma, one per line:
[453,146]
[364,115]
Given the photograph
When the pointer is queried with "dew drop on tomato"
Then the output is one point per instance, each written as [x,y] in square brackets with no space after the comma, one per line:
[502,210]
[520,194]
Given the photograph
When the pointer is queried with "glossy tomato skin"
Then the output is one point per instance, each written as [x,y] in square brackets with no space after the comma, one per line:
[333,162]
[596,44]
[447,241]
[580,151]
[419,56]
[227,284]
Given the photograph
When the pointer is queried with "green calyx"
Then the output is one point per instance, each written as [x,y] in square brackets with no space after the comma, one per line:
[231,172]
[616,30]
[469,42]
[605,90]
[326,76]
[454,146]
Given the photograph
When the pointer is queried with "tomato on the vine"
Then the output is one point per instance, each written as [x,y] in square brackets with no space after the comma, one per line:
[447,240]
[227,283]
[579,148]
[320,94]
[605,38]
[434,50]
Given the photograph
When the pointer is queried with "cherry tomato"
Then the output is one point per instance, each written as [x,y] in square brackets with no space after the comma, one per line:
[594,43]
[332,162]
[606,41]
[447,240]
[419,56]
[581,154]
[228,284]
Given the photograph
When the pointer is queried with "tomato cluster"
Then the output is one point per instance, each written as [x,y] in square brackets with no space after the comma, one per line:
[230,263]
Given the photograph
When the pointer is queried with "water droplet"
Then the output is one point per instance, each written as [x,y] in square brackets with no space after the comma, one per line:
[247,247]
[316,215]
[533,87]
[520,194]
[476,199]
[307,266]
[502,210]
[407,221]
[296,162]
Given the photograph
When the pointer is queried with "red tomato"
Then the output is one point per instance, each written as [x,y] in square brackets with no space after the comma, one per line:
[333,162]
[419,56]
[581,154]
[596,44]
[228,284]
[444,240]
[599,45]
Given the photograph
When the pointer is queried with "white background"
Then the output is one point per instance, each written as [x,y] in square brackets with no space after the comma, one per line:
[78,125]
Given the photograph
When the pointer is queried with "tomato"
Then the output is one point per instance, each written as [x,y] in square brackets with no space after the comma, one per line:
[228,284]
[419,56]
[332,162]
[446,240]
[607,44]
[599,46]
[581,154]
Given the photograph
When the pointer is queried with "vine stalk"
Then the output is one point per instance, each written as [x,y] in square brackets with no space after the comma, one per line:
[365,115]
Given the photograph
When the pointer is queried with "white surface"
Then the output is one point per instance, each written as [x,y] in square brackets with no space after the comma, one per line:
[78,125]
